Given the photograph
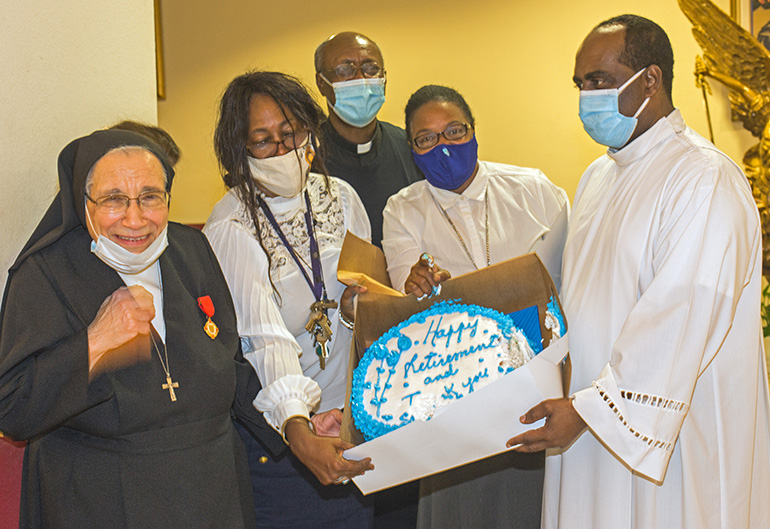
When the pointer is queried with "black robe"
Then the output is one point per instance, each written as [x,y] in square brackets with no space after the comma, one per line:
[376,174]
[117,452]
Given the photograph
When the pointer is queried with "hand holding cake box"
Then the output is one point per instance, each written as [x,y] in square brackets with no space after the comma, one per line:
[442,382]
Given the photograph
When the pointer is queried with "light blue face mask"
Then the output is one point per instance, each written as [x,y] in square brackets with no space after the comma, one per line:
[357,101]
[601,118]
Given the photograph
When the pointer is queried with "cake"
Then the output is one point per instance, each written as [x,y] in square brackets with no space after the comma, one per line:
[440,355]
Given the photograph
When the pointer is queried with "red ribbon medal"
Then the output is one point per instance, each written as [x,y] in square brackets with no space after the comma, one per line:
[207,306]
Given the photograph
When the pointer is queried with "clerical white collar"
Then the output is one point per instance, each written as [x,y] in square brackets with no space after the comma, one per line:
[363,148]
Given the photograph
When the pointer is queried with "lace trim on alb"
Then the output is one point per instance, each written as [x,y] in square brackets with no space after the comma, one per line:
[654,401]
[650,441]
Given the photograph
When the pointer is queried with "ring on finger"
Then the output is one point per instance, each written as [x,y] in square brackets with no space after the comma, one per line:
[342,480]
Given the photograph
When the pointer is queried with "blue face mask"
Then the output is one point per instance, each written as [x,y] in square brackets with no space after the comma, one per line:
[448,165]
[357,101]
[601,118]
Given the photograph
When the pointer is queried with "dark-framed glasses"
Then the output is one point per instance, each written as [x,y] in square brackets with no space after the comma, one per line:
[268,147]
[348,70]
[453,132]
[147,201]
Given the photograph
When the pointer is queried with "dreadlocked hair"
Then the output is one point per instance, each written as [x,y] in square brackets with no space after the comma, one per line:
[231,135]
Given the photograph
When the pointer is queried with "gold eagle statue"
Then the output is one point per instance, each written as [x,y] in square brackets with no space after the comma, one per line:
[733,57]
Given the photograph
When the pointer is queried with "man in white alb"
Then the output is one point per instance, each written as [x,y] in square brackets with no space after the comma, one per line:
[667,422]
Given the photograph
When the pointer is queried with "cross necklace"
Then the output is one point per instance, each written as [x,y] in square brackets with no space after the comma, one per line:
[170,384]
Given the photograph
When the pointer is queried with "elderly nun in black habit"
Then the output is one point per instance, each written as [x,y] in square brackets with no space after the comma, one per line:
[120,360]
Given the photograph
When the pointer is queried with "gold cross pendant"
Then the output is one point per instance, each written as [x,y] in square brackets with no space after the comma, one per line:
[170,385]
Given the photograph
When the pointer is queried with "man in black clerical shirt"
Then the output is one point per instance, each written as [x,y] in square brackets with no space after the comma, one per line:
[373,156]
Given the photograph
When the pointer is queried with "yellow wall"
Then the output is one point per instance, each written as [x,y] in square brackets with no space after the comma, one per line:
[511,60]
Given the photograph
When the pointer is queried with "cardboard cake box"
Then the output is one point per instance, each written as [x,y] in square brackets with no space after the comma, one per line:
[478,425]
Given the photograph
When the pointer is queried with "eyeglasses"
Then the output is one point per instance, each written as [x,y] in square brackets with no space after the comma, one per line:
[267,147]
[454,132]
[116,204]
[348,70]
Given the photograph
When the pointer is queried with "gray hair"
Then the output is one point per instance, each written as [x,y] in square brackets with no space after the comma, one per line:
[318,58]
[126,149]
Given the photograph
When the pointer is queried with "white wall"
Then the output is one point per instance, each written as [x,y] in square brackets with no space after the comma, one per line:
[66,69]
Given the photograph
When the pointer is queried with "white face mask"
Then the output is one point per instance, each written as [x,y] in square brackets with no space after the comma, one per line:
[283,175]
[122,260]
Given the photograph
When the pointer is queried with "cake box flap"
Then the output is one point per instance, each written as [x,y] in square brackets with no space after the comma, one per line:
[472,428]
[363,263]
[508,286]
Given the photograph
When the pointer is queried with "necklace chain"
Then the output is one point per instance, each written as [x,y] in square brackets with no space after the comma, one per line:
[165,352]
[170,384]
[457,232]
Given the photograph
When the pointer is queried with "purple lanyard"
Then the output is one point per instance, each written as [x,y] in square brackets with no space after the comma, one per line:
[317,285]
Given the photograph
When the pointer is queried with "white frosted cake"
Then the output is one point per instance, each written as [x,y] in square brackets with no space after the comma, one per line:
[438,356]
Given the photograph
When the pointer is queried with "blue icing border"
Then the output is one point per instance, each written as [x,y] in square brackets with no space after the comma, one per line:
[553,308]
[368,425]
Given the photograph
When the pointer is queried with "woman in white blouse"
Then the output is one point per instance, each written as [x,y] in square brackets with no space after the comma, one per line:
[277,234]
[468,214]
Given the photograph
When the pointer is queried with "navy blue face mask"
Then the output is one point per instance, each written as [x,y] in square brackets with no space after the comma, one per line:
[449,165]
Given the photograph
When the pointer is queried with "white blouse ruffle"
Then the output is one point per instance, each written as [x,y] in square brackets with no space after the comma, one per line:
[271,322]
[288,396]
